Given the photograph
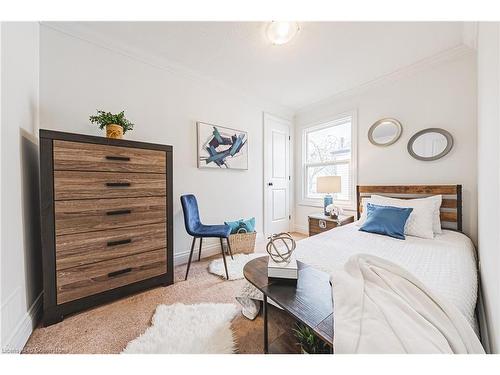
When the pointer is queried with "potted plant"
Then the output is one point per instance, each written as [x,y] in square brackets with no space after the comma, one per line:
[309,342]
[116,124]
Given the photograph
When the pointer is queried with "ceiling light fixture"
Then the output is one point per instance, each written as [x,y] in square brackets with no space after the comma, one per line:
[281,32]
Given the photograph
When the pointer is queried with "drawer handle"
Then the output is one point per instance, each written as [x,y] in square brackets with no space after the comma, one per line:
[121,158]
[117,184]
[119,212]
[119,242]
[116,273]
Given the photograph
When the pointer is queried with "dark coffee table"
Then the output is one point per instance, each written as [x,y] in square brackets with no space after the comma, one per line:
[309,301]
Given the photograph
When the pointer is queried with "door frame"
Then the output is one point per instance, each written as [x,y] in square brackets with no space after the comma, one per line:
[265,176]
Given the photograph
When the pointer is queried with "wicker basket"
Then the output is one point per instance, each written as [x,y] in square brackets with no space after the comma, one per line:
[242,242]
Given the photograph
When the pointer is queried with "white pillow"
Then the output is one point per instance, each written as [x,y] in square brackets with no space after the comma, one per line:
[434,201]
[420,223]
[362,218]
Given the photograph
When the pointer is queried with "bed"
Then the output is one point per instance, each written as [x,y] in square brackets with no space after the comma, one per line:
[446,264]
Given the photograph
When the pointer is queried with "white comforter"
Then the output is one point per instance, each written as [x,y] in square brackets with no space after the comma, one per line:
[445,264]
[382,308]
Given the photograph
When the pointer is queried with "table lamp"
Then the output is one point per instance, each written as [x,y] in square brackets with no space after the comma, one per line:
[328,185]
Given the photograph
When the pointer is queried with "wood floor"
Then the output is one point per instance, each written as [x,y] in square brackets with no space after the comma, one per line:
[108,328]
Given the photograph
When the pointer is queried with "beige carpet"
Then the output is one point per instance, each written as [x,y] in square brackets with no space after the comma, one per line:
[108,328]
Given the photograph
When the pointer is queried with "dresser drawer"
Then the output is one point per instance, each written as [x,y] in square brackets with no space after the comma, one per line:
[322,224]
[93,185]
[319,226]
[84,248]
[82,281]
[79,216]
[78,156]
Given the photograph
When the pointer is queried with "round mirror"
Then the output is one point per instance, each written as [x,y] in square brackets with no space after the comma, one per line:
[385,132]
[430,144]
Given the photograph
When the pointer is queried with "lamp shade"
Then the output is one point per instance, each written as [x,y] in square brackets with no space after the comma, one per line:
[328,184]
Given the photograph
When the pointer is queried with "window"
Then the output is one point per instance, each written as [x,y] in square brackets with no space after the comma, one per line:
[328,151]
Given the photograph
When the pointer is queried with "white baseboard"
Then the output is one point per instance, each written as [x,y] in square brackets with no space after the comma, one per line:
[207,250]
[301,229]
[24,328]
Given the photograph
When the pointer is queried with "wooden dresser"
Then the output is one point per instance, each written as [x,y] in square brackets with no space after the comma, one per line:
[106,207]
[319,223]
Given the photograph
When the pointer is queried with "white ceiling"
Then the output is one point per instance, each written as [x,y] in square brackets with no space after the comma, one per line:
[324,59]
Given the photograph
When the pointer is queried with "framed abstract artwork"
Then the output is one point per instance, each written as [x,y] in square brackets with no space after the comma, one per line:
[220,147]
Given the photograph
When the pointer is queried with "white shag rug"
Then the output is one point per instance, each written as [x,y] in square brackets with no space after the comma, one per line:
[203,328]
[234,266]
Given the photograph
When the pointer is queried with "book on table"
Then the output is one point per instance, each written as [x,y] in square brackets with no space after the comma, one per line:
[283,270]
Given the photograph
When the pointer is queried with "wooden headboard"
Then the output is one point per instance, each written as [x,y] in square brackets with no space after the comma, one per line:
[451,206]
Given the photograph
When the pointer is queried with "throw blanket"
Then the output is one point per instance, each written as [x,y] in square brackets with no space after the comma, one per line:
[380,307]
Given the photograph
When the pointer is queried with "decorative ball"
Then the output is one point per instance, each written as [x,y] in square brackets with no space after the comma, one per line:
[280,247]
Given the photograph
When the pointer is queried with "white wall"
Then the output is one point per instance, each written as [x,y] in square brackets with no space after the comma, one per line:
[77,77]
[20,237]
[489,176]
[441,94]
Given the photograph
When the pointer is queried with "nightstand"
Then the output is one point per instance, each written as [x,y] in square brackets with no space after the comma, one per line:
[319,223]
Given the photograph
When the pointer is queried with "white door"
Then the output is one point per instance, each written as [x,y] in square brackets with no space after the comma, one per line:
[276,174]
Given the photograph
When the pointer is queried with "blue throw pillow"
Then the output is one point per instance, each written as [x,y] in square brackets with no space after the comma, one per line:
[386,220]
[234,225]
[249,225]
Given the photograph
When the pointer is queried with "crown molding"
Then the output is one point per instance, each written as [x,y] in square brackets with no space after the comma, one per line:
[79,31]
[436,59]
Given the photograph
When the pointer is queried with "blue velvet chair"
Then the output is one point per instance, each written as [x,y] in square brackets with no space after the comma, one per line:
[198,230]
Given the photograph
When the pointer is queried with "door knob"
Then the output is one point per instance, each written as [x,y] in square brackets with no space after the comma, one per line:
[269,184]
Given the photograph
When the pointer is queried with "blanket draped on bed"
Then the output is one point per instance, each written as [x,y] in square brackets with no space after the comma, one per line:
[379,307]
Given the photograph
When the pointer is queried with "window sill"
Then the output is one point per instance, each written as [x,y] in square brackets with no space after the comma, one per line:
[319,203]
[311,202]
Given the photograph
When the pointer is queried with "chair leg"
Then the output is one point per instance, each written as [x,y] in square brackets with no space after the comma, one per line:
[190,256]
[229,248]
[224,258]
[222,246]
[199,251]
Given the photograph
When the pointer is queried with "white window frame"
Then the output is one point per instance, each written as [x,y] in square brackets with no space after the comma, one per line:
[318,202]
